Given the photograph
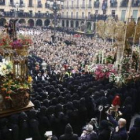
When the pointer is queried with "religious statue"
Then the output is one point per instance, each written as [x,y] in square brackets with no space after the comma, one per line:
[12,29]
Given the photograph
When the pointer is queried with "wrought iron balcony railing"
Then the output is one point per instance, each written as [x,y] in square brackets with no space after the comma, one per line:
[113,4]
[124,3]
[96,4]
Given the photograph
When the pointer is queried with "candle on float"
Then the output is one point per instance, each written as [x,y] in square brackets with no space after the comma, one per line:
[117,79]
[16,70]
[3,60]
[99,57]
[105,60]
[102,56]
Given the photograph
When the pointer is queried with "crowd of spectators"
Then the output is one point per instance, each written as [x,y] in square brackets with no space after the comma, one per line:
[67,104]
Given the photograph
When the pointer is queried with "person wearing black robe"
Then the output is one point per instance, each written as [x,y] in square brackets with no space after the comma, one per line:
[69,135]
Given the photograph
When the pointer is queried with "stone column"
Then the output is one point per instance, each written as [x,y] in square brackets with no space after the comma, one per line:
[43,22]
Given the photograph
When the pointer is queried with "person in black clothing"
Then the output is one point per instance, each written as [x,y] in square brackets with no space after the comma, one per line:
[69,135]
[120,128]
[134,133]
[104,131]
[23,126]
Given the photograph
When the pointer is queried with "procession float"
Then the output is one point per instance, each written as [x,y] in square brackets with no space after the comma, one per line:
[15,83]
[119,62]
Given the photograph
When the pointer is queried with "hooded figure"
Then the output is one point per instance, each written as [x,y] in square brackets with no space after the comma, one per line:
[43,121]
[14,126]
[104,131]
[6,133]
[34,126]
[23,125]
[69,135]
[135,130]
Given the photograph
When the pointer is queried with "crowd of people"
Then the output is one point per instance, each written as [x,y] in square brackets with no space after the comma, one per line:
[68,103]
[75,51]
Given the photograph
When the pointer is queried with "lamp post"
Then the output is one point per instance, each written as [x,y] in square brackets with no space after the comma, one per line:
[12,29]
[55,6]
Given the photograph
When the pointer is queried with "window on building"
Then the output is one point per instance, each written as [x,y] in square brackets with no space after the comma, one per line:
[113,3]
[72,4]
[2,2]
[89,15]
[71,14]
[96,12]
[21,2]
[62,14]
[89,3]
[123,15]
[83,15]
[113,13]
[11,2]
[104,12]
[77,3]
[76,14]
[67,4]
[83,4]
[47,13]
[30,3]
[104,5]
[124,3]
[135,14]
[39,3]
[96,3]
[30,12]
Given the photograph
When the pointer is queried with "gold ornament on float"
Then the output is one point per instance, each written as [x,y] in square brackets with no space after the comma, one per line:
[109,27]
[101,28]
[130,29]
[137,33]
[15,84]
[120,31]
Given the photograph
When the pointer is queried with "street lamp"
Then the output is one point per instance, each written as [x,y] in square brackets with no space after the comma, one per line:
[12,28]
[55,6]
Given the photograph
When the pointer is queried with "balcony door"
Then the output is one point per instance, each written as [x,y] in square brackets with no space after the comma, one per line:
[30,3]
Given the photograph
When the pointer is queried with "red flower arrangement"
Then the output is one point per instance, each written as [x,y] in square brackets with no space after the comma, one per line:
[16,44]
[26,41]
[20,43]
[104,71]
[5,41]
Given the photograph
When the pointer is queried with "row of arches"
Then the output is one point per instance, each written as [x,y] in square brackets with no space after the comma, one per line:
[77,24]
[30,22]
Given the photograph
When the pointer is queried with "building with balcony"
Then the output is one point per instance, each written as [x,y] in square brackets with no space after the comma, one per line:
[30,12]
[93,10]
[72,14]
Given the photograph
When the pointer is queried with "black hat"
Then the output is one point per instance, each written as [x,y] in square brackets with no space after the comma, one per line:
[43,110]
[32,114]
[37,104]
[104,124]
[14,119]
[23,116]
[3,122]
[68,129]
[54,138]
